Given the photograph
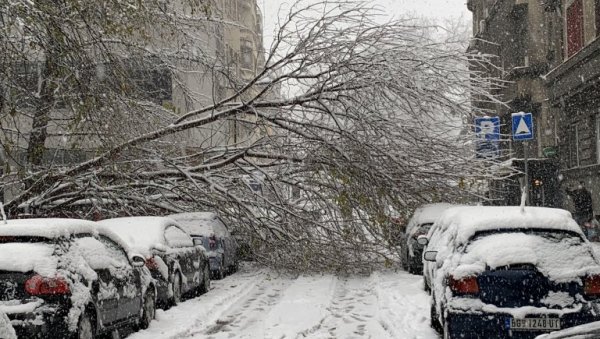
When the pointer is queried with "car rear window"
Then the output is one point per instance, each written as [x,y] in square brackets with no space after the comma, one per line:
[23,239]
[549,234]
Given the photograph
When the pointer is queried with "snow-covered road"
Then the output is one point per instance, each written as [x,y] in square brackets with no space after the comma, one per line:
[263,304]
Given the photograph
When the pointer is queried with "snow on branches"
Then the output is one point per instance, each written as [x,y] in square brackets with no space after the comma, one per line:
[144,111]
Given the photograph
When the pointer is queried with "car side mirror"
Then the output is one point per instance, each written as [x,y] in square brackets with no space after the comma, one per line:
[422,240]
[430,256]
[137,260]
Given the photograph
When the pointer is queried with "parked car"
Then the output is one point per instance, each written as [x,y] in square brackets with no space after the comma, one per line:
[586,331]
[208,230]
[180,268]
[507,272]
[419,224]
[65,278]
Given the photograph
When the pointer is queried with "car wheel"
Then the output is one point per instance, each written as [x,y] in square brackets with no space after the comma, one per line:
[435,322]
[176,299]
[148,310]
[220,274]
[205,286]
[85,327]
[426,286]
[404,260]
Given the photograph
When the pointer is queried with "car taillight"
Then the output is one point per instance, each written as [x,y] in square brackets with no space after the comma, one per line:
[152,264]
[592,285]
[38,285]
[468,285]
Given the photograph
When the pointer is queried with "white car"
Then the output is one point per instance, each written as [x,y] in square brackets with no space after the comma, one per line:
[507,272]
[419,224]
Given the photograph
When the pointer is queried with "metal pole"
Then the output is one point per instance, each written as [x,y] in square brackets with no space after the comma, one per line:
[526,153]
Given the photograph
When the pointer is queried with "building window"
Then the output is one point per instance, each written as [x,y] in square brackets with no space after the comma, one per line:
[247,54]
[574,28]
[598,138]
[573,146]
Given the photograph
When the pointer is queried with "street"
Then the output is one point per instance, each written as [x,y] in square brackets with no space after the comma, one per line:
[265,304]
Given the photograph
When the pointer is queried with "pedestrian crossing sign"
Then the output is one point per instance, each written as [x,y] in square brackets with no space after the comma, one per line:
[522,126]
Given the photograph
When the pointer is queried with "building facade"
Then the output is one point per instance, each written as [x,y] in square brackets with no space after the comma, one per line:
[547,53]
[216,50]
[574,93]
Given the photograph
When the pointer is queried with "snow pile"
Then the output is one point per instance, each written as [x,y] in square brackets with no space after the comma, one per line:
[562,260]
[464,222]
[427,214]
[26,257]
[141,234]
[201,223]
[50,228]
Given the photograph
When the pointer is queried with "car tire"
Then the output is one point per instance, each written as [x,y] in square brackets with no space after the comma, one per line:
[177,294]
[148,309]
[85,327]
[205,285]
[426,286]
[220,274]
[435,322]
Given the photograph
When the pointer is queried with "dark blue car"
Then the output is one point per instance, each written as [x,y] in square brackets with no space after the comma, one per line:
[507,272]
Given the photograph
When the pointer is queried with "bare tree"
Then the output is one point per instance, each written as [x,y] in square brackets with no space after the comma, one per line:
[347,120]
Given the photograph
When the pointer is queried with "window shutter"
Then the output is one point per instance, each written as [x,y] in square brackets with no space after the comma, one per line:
[575,28]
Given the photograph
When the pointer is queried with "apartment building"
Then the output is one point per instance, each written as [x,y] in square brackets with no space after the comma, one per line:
[548,52]
[574,93]
[230,40]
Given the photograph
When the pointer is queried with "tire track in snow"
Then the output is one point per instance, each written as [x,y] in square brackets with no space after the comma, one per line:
[246,318]
[353,312]
[204,310]
[404,305]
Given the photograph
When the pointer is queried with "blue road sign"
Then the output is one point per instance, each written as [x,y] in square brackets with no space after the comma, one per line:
[487,131]
[487,128]
[522,126]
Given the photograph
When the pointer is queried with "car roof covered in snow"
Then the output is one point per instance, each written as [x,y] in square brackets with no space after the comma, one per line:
[139,233]
[427,214]
[46,227]
[201,223]
[467,221]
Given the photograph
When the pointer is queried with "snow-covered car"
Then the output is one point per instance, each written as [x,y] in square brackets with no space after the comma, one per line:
[586,331]
[508,272]
[419,224]
[65,278]
[208,230]
[179,267]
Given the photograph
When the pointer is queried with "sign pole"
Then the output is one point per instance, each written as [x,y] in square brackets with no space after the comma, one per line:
[522,130]
[525,156]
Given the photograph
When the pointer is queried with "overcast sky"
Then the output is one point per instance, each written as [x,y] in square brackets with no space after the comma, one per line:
[436,9]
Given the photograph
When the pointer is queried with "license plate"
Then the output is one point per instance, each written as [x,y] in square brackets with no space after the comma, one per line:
[535,324]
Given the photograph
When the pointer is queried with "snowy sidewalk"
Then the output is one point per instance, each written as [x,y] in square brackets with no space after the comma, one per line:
[262,304]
